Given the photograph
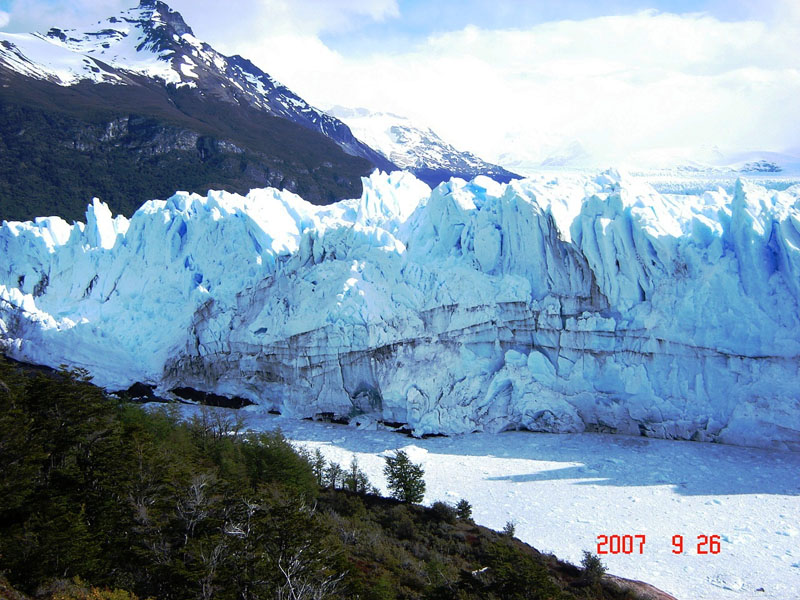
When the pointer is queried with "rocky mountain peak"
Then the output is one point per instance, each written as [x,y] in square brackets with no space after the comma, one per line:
[161,25]
[160,29]
[160,12]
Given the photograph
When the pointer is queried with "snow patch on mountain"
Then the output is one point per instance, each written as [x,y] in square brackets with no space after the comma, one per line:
[128,42]
[417,149]
[400,141]
[589,303]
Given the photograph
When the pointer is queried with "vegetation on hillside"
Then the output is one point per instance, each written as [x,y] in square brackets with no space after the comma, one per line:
[102,500]
[126,144]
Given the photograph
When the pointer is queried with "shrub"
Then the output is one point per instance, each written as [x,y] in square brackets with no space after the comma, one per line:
[513,575]
[348,505]
[510,528]
[443,512]
[593,568]
[401,523]
[76,589]
[382,589]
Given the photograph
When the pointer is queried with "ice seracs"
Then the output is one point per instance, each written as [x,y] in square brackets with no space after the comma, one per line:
[547,304]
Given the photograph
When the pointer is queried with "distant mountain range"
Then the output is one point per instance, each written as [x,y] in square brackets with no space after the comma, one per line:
[713,161]
[706,161]
[416,149]
[136,107]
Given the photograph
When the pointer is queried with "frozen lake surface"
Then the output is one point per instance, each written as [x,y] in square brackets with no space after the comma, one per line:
[563,491]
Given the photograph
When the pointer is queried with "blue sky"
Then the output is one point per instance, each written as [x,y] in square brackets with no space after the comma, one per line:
[614,79]
[420,18]
[410,21]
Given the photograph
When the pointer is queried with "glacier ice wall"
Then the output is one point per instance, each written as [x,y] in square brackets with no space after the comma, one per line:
[559,305]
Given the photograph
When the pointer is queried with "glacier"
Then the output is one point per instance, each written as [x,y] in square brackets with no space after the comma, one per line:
[556,304]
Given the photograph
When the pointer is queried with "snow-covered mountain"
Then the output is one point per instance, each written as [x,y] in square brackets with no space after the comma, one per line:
[713,161]
[152,40]
[530,154]
[135,107]
[551,304]
[416,149]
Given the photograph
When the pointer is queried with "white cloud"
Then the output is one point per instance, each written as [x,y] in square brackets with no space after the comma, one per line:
[4,18]
[38,15]
[619,85]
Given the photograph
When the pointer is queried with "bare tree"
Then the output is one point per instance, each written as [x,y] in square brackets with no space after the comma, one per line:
[301,585]
[210,559]
[194,506]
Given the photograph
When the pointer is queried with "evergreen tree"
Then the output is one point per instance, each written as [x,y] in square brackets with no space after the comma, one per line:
[510,529]
[356,480]
[405,479]
[593,568]
[464,510]
[318,464]
[334,475]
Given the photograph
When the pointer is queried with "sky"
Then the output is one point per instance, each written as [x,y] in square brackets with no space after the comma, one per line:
[611,80]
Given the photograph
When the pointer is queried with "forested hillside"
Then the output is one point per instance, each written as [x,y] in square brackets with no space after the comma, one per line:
[60,147]
[101,499]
